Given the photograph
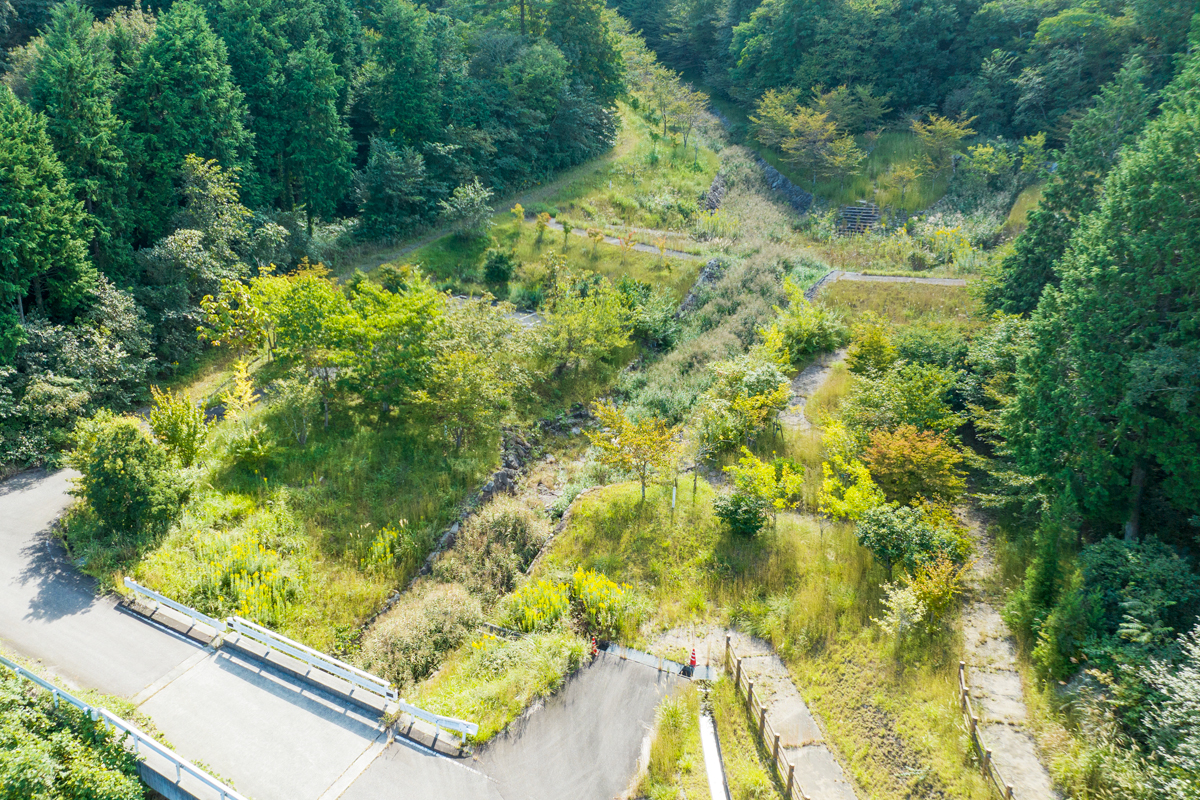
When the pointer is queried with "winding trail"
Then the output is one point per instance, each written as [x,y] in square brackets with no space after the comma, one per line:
[994,681]
[804,385]
[639,246]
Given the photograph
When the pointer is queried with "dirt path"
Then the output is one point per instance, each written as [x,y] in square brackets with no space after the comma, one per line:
[641,248]
[994,681]
[801,736]
[804,385]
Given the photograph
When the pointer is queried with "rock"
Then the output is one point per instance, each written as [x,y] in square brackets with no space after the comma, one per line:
[575,431]
[550,460]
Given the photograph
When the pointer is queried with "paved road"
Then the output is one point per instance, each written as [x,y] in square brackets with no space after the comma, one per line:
[50,611]
[582,744]
[277,737]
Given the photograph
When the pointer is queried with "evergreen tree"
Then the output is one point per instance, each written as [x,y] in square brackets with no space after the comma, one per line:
[401,75]
[72,85]
[580,30]
[1110,396]
[180,100]
[43,256]
[318,147]
[1093,148]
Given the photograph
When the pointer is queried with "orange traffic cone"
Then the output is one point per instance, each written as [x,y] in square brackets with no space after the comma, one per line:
[692,663]
[595,650]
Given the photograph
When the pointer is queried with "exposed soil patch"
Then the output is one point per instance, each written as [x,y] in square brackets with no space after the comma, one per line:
[804,385]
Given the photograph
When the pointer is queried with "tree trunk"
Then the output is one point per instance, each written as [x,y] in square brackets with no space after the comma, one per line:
[1137,482]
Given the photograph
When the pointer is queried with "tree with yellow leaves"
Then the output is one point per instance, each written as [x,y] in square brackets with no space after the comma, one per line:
[644,447]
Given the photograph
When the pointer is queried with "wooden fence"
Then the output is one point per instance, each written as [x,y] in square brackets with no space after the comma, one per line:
[767,735]
[990,771]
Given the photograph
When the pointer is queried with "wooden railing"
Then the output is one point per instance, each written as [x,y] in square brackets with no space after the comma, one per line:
[990,771]
[767,736]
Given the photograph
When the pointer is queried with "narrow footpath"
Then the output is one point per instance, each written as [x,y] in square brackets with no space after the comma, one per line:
[995,683]
[801,737]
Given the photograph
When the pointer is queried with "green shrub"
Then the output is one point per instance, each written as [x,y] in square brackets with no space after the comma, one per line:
[409,642]
[127,478]
[51,750]
[179,424]
[808,329]
[494,548]
[499,265]
[744,514]
[537,606]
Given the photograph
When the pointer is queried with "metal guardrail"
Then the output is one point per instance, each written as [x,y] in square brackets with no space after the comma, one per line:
[315,658]
[767,736]
[187,611]
[449,723]
[990,771]
[139,739]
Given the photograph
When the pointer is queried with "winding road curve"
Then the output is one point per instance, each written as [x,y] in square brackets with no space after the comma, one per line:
[278,737]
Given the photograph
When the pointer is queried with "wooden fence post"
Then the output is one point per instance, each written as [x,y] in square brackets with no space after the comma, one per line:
[738,678]
[987,761]
[762,721]
[728,651]
[1008,792]
[776,751]
[791,778]
[750,695]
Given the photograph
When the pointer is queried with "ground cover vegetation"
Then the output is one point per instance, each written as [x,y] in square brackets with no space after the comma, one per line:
[1048,150]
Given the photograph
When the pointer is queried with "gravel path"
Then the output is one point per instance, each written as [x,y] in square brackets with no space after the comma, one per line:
[801,736]
[804,385]
[995,683]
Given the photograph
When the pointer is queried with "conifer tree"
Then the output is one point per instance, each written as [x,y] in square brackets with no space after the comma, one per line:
[72,85]
[401,75]
[1092,150]
[581,32]
[317,156]
[180,100]
[1109,399]
[43,257]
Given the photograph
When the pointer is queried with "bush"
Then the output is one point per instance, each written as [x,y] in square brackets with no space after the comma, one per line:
[909,464]
[499,265]
[409,642]
[179,424]
[807,329]
[51,750]
[744,514]
[904,613]
[902,535]
[907,394]
[494,548]
[872,352]
[1123,604]
[127,478]
[611,610]
[537,606]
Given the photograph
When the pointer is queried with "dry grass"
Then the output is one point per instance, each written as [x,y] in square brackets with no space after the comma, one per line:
[828,397]
[903,303]
[747,766]
[676,766]
[1018,216]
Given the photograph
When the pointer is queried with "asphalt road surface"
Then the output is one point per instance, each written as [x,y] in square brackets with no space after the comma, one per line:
[278,737]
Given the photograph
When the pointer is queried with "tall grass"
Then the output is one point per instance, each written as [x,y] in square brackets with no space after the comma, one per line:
[828,396]
[676,764]
[903,303]
[747,767]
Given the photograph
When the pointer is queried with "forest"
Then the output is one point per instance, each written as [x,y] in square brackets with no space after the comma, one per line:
[297,286]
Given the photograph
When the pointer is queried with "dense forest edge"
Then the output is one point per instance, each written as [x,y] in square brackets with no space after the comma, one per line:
[583,295]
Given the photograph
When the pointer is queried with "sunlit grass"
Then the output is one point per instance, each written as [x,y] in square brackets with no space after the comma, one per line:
[902,303]
[456,263]
[828,397]
[1018,215]
[747,766]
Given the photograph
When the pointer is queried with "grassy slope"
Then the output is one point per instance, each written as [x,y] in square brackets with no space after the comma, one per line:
[893,147]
